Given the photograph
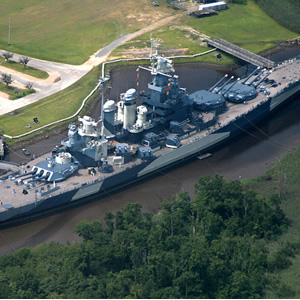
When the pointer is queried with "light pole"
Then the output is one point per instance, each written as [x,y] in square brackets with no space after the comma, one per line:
[9,31]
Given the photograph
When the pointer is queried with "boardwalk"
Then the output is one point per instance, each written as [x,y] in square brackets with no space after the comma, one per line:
[241,53]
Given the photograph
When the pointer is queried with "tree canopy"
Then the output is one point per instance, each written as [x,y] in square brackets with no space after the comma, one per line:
[212,246]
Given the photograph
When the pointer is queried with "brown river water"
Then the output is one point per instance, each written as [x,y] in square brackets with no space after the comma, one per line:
[246,156]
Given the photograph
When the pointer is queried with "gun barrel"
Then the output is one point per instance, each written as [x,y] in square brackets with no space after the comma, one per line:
[245,80]
[219,81]
[235,82]
[256,77]
[220,90]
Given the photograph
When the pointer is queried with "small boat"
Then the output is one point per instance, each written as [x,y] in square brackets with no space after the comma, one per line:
[207,155]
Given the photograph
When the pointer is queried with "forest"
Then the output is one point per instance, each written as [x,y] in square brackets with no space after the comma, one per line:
[211,245]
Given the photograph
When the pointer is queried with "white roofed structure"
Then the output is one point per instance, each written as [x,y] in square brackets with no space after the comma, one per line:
[216,6]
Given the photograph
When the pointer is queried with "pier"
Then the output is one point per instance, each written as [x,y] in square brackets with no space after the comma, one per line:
[241,53]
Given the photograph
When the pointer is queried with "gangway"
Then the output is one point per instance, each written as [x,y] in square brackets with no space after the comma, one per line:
[241,53]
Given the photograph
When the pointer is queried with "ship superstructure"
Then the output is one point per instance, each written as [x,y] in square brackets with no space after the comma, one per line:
[142,134]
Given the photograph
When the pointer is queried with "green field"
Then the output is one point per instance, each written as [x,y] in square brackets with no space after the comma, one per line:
[70,31]
[245,25]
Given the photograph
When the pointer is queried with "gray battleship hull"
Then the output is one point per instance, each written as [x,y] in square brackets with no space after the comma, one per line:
[96,190]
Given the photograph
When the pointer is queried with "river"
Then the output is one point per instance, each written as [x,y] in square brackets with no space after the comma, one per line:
[246,156]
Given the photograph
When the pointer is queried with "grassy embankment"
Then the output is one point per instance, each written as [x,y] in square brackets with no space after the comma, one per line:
[84,25]
[284,179]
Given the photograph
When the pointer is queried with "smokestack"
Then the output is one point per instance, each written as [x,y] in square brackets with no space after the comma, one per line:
[129,108]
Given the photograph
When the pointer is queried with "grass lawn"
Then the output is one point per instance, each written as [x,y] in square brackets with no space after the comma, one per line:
[15,93]
[20,68]
[50,109]
[70,31]
[245,25]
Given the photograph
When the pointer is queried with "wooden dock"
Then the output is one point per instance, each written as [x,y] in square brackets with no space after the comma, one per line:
[241,53]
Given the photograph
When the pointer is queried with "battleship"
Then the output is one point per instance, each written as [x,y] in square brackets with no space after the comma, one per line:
[140,135]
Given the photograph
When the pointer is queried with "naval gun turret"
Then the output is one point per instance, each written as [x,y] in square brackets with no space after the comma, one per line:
[86,143]
[53,169]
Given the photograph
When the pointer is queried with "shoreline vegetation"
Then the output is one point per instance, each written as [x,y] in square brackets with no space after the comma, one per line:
[232,239]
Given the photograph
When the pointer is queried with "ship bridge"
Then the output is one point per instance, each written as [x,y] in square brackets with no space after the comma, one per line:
[241,53]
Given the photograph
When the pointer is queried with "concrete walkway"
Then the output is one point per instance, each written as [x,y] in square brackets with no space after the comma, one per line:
[62,76]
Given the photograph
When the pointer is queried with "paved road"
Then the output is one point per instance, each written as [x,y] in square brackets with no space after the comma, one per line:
[62,76]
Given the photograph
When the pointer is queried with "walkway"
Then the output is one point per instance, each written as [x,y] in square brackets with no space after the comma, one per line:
[241,53]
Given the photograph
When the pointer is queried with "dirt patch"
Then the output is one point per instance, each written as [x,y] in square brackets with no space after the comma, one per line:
[53,78]
[144,52]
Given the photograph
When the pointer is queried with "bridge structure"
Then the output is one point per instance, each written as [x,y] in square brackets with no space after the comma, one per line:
[241,53]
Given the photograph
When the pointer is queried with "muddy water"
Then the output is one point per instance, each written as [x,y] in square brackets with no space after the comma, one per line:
[248,155]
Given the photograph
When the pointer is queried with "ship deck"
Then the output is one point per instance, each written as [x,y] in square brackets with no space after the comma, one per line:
[12,194]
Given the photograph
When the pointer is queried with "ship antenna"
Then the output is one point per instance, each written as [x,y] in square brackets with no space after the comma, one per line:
[151,48]
[102,81]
